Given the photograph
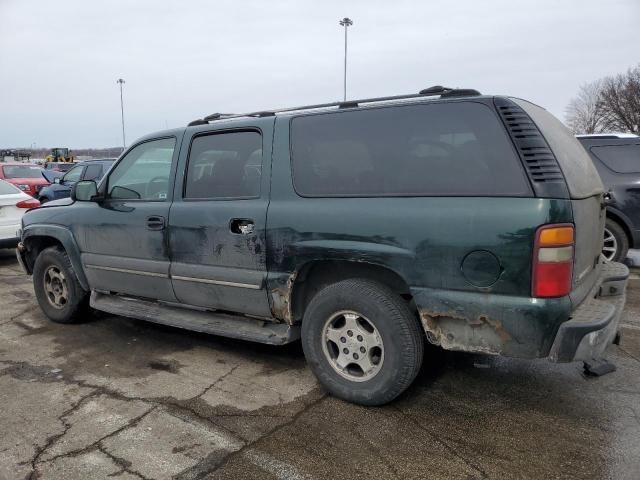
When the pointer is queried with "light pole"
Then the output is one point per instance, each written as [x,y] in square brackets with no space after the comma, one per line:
[121,82]
[346,22]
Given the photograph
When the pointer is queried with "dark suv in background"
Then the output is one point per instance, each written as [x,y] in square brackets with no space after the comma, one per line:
[365,228]
[86,170]
[617,160]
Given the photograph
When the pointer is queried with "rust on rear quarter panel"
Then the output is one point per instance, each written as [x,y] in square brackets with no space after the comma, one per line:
[281,299]
[452,331]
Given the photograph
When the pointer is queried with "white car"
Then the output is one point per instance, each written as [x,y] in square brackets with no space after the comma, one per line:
[13,204]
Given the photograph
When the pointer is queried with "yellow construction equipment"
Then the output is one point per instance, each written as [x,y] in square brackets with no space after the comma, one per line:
[60,155]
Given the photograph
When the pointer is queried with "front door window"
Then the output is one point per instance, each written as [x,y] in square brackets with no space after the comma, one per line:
[143,174]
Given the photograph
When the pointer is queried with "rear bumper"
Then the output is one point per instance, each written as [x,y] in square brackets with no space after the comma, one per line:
[594,324]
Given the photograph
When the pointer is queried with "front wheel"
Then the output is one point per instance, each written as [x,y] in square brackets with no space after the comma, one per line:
[362,342]
[59,294]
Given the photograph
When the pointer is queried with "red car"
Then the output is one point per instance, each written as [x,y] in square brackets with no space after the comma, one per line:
[26,177]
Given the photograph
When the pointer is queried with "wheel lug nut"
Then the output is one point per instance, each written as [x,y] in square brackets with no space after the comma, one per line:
[350,333]
[342,339]
[362,349]
[346,351]
[359,338]
[355,355]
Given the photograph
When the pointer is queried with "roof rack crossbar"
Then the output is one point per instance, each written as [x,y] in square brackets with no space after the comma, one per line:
[427,92]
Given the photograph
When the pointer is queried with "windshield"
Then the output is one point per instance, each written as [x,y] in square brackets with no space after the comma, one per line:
[21,171]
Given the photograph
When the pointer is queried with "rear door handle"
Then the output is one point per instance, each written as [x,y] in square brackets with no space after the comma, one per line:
[242,226]
[155,222]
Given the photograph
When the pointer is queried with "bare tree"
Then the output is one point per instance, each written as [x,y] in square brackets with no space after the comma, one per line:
[583,114]
[620,101]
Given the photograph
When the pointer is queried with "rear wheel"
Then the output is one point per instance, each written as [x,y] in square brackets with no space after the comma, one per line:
[616,243]
[59,294]
[362,342]
[43,200]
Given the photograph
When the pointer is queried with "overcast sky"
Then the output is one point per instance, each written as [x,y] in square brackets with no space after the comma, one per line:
[59,60]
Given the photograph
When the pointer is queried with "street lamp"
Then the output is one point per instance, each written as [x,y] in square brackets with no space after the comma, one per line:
[121,82]
[346,23]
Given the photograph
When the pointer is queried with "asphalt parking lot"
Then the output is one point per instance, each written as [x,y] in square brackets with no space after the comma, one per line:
[121,398]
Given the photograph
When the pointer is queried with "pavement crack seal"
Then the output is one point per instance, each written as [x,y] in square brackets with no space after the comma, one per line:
[19,314]
[98,443]
[54,438]
[446,445]
[125,465]
[204,472]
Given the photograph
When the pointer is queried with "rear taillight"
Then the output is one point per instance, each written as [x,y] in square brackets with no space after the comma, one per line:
[30,203]
[553,261]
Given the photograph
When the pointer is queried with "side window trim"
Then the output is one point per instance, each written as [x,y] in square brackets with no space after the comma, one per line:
[208,133]
[104,181]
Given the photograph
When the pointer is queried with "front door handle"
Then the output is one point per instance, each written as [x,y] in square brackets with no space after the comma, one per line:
[242,226]
[155,222]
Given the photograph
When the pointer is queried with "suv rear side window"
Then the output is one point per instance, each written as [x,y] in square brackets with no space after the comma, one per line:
[619,158]
[418,150]
[579,172]
[225,165]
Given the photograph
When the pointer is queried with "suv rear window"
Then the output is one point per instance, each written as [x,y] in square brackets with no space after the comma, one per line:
[619,158]
[579,172]
[455,148]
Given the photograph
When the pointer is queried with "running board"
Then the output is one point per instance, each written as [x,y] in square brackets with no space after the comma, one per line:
[225,325]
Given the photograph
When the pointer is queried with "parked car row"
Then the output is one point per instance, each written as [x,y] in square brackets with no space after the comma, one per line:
[13,204]
[24,186]
[363,228]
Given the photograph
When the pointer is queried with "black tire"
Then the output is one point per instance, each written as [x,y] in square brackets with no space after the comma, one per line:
[621,241]
[399,329]
[43,200]
[76,306]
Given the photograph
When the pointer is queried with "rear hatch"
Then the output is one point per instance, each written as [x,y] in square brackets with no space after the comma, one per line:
[586,193]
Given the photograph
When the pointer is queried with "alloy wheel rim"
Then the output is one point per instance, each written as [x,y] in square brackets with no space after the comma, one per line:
[55,287]
[353,346]
[609,246]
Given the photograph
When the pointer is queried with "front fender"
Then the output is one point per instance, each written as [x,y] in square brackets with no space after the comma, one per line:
[65,237]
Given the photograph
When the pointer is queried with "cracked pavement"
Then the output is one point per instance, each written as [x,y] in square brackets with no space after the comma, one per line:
[121,398]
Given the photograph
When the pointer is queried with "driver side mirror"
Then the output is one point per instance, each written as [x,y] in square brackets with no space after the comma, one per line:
[84,191]
[56,180]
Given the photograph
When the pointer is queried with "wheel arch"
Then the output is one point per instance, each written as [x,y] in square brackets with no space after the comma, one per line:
[314,275]
[36,238]
[622,220]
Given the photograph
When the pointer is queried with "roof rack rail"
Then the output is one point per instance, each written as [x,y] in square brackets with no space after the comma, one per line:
[436,90]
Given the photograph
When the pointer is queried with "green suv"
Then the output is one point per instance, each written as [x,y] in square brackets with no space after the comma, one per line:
[365,228]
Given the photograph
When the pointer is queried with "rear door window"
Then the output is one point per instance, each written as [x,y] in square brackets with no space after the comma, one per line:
[456,148]
[224,166]
[93,172]
[619,158]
